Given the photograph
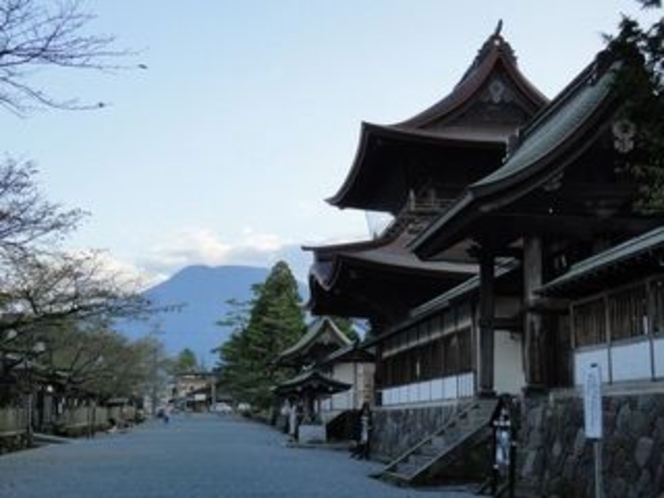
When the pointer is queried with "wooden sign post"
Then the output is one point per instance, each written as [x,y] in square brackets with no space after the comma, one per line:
[592,411]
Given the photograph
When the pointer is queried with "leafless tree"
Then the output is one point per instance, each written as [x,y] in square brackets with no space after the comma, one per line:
[103,361]
[27,219]
[37,34]
[48,288]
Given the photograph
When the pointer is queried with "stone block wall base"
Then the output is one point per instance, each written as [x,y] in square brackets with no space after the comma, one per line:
[556,458]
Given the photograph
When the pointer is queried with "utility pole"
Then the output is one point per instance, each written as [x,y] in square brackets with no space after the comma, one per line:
[155,331]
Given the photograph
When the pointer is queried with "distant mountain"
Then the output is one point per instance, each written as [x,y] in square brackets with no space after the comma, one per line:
[203,292]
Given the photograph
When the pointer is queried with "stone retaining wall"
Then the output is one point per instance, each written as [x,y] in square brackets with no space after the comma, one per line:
[556,460]
[397,429]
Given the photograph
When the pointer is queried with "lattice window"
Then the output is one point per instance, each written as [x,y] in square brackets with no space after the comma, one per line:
[451,351]
[437,358]
[657,290]
[589,323]
[465,351]
[628,311]
[426,364]
[387,371]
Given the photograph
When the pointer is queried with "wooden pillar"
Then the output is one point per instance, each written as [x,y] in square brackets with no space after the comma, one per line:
[487,313]
[380,377]
[535,344]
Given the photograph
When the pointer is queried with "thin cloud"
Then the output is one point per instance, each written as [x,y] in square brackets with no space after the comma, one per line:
[202,246]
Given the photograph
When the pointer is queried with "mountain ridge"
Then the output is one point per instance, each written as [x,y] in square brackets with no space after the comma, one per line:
[203,292]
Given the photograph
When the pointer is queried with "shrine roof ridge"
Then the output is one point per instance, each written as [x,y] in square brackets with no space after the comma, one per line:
[630,249]
[310,336]
[555,129]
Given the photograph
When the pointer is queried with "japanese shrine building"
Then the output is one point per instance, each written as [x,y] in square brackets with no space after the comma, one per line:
[414,170]
[515,259]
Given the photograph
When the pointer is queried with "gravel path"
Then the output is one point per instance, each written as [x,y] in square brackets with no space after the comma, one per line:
[193,456]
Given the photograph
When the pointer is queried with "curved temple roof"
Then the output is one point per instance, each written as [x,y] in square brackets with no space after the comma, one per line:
[492,76]
[347,277]
[322,329]
[311,381]
[495,52]
[556,130]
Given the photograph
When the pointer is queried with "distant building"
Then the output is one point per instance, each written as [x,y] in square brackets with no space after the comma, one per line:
[194,390]
[332,375]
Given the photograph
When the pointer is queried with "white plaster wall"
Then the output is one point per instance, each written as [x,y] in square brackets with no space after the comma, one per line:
[446,388]
[365,383]
[508,363]
[466,385]
[437,389]
[583,359]
[450,387]
[631,361]
[628,361]
[344,372]
[659,358]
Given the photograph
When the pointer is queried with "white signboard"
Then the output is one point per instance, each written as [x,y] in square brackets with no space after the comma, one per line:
[592,401]
[199,397]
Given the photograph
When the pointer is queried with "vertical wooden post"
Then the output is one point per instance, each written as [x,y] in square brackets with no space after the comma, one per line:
[650,323]
[380,376]
[599,484]
[535,357]
[487,311]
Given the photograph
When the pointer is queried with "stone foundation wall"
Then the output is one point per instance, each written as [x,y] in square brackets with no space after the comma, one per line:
[556,460]
[397,429]
[12,442]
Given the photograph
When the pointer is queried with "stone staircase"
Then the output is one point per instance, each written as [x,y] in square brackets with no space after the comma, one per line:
[418,465]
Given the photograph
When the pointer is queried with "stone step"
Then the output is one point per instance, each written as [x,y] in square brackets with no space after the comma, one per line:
[395,477]
[444,447]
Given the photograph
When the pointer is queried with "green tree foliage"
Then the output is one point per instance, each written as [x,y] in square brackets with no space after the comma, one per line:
[185,362]
[101,361]
[271,322]
[640,86]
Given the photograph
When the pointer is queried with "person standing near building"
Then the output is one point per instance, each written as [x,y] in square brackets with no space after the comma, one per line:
[292,421]
[363,449]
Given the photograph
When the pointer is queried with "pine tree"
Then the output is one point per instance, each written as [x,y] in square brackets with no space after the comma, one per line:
[275,321]
[640,87]
[186,362]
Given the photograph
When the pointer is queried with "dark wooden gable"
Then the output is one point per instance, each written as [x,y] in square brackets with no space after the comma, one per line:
[321,338]
[379,280]
[468,129]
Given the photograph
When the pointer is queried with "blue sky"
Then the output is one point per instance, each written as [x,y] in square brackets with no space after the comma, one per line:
[247,118]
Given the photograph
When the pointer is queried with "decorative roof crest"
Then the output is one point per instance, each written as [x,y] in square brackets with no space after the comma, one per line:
[494,42]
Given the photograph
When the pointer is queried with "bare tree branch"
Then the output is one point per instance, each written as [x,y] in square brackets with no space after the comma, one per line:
[39,34]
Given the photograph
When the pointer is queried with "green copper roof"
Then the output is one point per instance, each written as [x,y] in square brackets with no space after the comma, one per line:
[629,250]
[555,128]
